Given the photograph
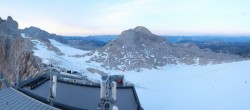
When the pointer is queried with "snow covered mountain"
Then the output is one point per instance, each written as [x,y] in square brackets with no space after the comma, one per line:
[139,48]
[28,51]
[175,87]
[73,41]
[63,56]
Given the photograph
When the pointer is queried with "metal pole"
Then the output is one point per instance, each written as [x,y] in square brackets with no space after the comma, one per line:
[51,98]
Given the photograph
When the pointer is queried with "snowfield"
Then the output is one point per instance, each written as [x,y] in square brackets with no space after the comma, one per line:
[65,61]
[173,87]
[182,87]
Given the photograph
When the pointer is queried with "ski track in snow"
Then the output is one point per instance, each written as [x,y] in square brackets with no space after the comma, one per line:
[173,87]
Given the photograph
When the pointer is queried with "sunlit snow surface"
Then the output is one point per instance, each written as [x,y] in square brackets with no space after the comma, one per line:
[173,87]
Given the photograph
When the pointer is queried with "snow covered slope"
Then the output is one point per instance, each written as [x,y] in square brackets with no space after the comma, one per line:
[182,87]
[172,87]
[66,61]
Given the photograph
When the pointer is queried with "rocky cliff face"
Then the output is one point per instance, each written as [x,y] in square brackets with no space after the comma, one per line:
[139,48]
[34,33]
[16,52]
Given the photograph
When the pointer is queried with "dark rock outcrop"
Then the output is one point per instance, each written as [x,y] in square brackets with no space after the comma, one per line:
[9,27]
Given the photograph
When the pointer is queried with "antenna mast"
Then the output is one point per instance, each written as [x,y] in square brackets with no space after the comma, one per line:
[53,83]
[108,93]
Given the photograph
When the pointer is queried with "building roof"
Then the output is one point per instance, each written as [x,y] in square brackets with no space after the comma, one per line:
[86,97]
[11,99]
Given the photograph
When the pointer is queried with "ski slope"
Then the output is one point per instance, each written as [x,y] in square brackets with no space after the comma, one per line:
[173,87]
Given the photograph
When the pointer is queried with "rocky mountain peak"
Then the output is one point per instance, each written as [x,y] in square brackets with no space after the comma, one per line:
[33,30]
[139,48]
[37,33]
[9,26]
[141,29]
[139,35]
[138,44]
[9,18]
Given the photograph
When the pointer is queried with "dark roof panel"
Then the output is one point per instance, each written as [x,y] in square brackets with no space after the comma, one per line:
[12,99]
[85,97]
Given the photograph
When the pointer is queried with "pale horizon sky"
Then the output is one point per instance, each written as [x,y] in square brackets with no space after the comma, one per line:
[162,17]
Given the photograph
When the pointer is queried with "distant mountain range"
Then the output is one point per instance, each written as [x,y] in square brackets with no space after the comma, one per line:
[173,39]
[134,49]
[149,50]
[177,39]
[84,43]
[103,38]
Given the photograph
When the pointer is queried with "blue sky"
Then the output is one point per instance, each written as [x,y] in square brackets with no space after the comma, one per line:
[163,17]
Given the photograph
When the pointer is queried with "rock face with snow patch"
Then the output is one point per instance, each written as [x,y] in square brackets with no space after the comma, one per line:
[139,48]
[43,36]
[34,33]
